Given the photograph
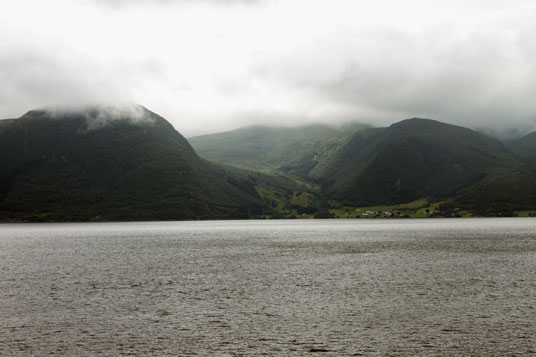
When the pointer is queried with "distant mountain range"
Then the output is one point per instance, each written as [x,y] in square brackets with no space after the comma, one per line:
[263,148]
[411,159]
[115,164]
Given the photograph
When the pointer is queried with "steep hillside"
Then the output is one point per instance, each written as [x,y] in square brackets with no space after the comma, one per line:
[104,163]
[411,159]
[5,123]
[131,164]
[525,147]
[295,150]
[501,192]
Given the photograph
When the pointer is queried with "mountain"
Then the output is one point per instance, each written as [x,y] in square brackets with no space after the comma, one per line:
[293,150]
[131,164]
[502,192]
[525,147]
[112,164]
[508,187]
[411,159]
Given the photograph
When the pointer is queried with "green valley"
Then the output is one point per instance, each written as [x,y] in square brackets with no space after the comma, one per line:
[410,161]
[101,163]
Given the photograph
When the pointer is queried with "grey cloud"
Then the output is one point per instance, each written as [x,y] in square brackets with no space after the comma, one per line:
[100,116]
[37,78]
[53,77]
[481,77]
[472,81]
[126,3]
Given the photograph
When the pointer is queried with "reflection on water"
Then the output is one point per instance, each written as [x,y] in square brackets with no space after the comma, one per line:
[339,287]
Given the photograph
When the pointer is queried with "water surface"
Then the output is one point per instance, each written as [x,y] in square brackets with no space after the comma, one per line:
[329,287]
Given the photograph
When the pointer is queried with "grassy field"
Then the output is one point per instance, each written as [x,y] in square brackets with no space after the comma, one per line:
[283,205]
[420,208]
[525,213]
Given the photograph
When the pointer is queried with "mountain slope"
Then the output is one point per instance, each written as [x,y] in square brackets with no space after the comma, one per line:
[525,147]
[508,187]
[117,164]
[295,150]
[107,164]
[411,159]
[501,192]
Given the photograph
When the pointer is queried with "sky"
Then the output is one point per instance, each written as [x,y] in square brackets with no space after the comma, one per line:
[215,65]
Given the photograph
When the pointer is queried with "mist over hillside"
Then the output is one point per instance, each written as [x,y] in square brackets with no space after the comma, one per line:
[108,164]
[211,66]
[126,162]
[399,124]
[409,160]
[270,147]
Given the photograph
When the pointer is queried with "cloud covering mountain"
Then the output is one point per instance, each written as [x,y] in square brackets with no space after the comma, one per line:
[212,65]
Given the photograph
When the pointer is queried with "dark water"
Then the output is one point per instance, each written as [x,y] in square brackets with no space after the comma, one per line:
[340,287]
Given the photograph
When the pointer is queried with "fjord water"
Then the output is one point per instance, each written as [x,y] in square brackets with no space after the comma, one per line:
[339,287]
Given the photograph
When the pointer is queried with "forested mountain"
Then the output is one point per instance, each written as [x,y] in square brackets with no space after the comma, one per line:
[131,164]
[525,147]
[105,163]
[409,160]
[293,150]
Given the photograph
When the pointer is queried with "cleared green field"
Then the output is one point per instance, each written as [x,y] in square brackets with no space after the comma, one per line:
[525,213]
[420,208]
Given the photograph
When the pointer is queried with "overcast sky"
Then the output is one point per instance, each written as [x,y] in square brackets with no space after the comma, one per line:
[213,65]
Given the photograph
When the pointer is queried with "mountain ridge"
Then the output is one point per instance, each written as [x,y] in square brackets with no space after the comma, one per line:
[417,158]
[62,168]
[117,163]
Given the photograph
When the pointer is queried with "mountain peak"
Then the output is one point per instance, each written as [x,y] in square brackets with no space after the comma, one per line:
[98,116]
[419,121]
[102,163]
[416,126]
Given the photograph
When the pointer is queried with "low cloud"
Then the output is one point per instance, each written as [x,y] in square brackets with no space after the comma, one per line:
[100,116]
[127,3]
[470,81]
[34,78]
[57,76]
[208,67]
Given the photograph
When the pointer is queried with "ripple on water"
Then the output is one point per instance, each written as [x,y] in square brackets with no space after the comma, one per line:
[413,287]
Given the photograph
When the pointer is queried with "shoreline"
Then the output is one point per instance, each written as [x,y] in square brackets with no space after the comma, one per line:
[9,221]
